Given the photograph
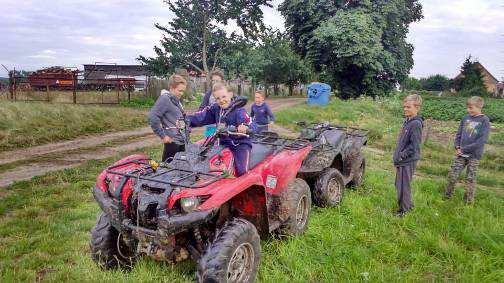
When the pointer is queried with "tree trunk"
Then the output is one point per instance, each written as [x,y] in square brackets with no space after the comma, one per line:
[204,54]
[291,90]
[275,89]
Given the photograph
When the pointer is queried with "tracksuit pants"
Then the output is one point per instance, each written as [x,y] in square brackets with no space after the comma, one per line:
[241,155]
[404,176]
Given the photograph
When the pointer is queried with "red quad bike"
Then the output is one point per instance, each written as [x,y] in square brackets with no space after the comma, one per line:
[194,207]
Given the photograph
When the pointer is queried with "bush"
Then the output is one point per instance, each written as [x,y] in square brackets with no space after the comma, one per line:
[435,83]
[139,102]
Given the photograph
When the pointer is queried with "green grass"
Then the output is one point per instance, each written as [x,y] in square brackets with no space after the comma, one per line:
[45,222]
[25,124]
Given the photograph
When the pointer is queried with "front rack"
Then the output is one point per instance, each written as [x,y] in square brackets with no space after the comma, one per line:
[184,178]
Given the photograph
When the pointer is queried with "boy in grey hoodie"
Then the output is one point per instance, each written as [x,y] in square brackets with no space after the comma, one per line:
[166,113]
[470,140]
[407,152]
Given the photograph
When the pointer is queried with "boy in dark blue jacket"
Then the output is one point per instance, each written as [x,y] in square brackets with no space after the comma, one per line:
[216,76]
[261,113]
[470,141]
[407,152]
[240,146]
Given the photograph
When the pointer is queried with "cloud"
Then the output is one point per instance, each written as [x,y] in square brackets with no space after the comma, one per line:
[38,34]
[453,30]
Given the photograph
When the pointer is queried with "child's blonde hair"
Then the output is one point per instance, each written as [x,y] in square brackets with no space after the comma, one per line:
[175,80]
[220,86]
[476,101]
[416,98]
[261,92]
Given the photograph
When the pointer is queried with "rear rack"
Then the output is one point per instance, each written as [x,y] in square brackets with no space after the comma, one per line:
[285,143]
[351,131]
[183,179]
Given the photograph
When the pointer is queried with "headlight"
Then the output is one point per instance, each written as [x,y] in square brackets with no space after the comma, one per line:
[189,204]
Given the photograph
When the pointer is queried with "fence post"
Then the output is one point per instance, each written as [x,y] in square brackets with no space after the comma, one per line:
[117,88]
[11,85]
[74,77]
[14,85]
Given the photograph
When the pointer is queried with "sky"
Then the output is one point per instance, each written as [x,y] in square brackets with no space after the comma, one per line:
[37,33]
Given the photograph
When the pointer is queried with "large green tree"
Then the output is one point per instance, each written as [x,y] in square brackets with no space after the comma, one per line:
[360,46]
[470,82]
[195,38]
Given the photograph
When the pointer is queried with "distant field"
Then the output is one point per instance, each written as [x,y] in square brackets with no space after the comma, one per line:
[24,124]
[450,107]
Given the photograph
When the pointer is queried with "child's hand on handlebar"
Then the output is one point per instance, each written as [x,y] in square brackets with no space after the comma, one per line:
[242,129]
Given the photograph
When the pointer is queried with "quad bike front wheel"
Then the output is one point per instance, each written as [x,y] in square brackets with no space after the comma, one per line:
[233,256]
[107,247]
[329,188]
[296,205]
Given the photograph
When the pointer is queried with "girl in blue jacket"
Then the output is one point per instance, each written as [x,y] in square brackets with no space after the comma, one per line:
[239,145]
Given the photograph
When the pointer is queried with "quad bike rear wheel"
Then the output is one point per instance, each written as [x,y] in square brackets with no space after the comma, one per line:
[233,256]
[329,188]
[296,204]
[107,247]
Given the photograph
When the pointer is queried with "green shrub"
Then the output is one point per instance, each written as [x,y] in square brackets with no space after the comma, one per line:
[139,102]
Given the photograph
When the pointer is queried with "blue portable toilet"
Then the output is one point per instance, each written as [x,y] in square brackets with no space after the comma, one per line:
[318,94]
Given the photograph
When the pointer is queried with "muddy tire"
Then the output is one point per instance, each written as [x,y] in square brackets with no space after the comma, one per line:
[329,188]
[358,177]
[296,205]
[233,256]
[104,252]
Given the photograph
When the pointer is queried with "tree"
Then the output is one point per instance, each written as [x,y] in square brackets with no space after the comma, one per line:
[281,65]
[435,83]
[271,61]
[360,46]
[195,39]
[470,81]
[411,83]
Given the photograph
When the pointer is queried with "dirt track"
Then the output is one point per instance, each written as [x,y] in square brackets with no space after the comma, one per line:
[34,161]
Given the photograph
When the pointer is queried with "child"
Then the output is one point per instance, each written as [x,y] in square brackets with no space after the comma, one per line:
[470,140]
[240,146]
[261,113]
[407,152]
[164,115]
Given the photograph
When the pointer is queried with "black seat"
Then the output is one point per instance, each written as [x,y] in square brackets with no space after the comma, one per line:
[259,153]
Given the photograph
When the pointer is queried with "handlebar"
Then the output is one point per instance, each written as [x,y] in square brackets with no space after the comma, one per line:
[232,131]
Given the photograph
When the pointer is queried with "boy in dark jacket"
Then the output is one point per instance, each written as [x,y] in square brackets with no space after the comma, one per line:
[164,115]
[240,146]
[407,152]
[216,76]
[261,113]
[470,140]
